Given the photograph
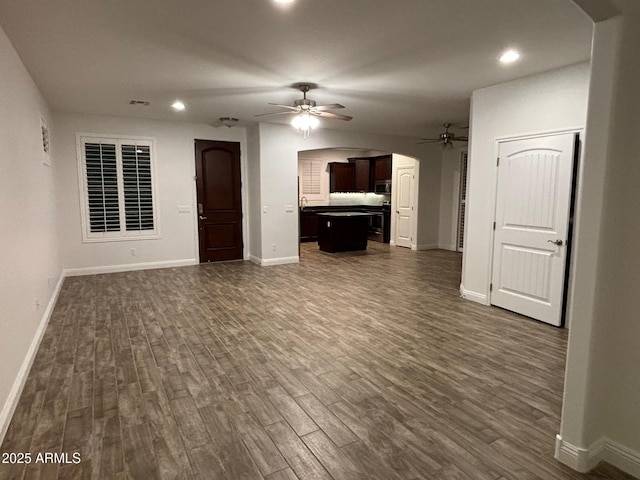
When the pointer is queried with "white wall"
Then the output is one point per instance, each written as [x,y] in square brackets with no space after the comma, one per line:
[28,242]
[175,186]
[449,198]
[600,419]
[550,101]
[253,192]
[279,147]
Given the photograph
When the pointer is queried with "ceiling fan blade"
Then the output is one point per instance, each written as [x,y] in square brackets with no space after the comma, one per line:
[428,140]
[332,106]
[290,107]
[461,139]
[337,116]
[274,113]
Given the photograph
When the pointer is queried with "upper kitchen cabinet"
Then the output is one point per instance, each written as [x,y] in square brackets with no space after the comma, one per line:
[381,168]
[341,177]
[362,174]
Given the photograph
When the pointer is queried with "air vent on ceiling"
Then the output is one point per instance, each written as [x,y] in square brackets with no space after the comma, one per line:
[139,102]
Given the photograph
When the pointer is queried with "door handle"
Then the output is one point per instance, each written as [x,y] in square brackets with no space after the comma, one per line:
[204,218]
[557,242]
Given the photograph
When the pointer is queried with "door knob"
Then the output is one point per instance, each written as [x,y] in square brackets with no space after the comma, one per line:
[557,242]
[204,218]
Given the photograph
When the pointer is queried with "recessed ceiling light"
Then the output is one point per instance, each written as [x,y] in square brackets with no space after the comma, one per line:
[509,56]
[178,105]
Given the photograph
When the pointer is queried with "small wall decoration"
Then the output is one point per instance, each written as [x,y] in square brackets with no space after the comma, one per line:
[46,159]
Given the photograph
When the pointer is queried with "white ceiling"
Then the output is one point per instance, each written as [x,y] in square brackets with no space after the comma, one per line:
[400,67]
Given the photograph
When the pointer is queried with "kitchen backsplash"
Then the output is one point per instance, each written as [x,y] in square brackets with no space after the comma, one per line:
[358,199]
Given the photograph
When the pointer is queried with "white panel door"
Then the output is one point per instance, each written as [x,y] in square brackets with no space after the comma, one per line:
[532,221]
[404,206]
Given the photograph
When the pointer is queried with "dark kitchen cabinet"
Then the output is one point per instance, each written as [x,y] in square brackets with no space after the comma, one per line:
[381,168]
[342,231]
[362,174]
[308,226]
[341,177]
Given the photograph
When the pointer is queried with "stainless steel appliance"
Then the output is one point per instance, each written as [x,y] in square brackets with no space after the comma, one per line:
[383,186]
[376,226]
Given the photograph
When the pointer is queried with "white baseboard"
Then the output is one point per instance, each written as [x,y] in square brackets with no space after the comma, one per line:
[255,259]
[473,296]
[424,247]
[605,449]
[279,261]
[18,385]
[622,457]
[74,272]
[451,247]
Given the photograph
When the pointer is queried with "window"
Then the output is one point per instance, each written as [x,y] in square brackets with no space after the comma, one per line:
[312,179]
[116,176]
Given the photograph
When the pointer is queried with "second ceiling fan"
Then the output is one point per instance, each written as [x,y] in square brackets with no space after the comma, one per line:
[446,138]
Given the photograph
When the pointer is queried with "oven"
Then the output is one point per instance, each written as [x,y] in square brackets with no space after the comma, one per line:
[376,226]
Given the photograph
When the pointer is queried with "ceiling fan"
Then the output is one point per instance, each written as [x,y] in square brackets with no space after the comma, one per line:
[446,137]
[306,111]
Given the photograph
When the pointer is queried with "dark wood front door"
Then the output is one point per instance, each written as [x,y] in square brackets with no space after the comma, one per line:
[219,200]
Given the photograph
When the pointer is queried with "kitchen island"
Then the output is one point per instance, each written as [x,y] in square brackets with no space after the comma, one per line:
[343,231]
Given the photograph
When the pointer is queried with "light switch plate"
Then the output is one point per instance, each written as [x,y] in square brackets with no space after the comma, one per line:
[288,208]
[184,208]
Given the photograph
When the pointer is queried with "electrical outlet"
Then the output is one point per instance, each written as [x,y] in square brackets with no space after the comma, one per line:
[133,252]
[36,303]
[273,247]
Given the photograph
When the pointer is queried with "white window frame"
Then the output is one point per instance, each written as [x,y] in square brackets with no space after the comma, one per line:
[121,235]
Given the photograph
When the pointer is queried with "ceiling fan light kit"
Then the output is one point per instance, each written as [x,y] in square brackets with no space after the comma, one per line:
[446,138]
[228,121]
[306,111]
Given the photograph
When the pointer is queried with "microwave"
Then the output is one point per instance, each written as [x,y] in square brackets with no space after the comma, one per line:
[383,186]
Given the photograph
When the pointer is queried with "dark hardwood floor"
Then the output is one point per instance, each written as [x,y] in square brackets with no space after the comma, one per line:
[344,366]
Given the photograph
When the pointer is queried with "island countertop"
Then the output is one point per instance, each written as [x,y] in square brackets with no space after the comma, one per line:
[344,214]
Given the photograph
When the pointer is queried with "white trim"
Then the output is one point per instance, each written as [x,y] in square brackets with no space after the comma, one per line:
[450,247]
[75,272]
[254,259]
[279,261]
[473,296]
[605,449]
[123,234]
[580,459]
[622,457]
[431,246]
[543,133]
[18,385]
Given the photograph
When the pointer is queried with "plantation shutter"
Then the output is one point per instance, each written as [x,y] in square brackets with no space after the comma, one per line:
[102,187]
[310,176]
[463,199]
[137,188]
[116,177]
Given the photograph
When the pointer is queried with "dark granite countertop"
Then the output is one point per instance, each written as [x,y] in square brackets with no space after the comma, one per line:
[346,208]
[344,214]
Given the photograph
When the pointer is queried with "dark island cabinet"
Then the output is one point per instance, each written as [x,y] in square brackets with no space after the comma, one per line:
[341,177]
[342,231]
[308,226]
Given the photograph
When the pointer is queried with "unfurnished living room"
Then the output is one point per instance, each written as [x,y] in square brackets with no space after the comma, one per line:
[298,239]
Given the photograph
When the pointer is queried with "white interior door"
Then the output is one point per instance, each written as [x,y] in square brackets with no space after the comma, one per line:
[532,220]
[405,186]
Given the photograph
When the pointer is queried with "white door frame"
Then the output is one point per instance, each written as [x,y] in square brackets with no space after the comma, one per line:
[496,149]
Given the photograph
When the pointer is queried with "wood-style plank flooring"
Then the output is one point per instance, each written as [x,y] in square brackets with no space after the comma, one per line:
[346,366]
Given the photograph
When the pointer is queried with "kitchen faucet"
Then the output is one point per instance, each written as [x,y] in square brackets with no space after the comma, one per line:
[303,201]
